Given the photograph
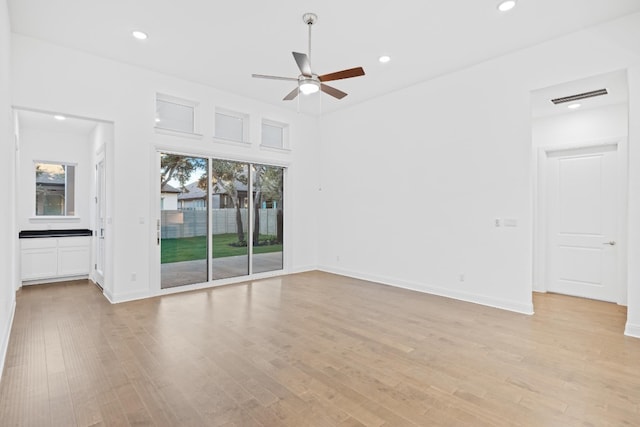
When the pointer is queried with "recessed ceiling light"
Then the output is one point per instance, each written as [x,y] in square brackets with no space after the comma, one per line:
[573,106]
[140,35]
[59,117]
[384,59]
[506,5]
[157,120]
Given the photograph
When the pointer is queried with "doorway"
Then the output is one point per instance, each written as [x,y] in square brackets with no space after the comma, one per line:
[582,222]
[62,192]
[581,180]
[218,219]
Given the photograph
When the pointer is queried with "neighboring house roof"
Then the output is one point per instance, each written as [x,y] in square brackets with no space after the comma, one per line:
[219,189]
[169,189]
[48,178]
[192,191]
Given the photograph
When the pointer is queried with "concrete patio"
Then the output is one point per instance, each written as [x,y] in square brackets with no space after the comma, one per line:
[190,272]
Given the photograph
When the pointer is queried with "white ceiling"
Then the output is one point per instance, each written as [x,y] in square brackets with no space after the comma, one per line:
[222,43]
[47,122]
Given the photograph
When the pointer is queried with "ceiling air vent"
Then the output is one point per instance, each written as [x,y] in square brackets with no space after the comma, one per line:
[578,96]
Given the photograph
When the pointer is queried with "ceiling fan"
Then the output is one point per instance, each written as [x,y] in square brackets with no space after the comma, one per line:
[308,81]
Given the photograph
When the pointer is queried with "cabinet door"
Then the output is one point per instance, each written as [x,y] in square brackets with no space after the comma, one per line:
[73,256]
[39,263]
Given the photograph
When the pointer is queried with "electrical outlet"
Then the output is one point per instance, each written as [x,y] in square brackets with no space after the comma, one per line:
[337,258]
[497,222]
[461,277]
[134,277]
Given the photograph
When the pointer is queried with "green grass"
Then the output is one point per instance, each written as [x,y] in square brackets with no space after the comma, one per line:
[193,248]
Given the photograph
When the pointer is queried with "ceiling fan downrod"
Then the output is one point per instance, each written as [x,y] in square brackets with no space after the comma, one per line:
[309,19]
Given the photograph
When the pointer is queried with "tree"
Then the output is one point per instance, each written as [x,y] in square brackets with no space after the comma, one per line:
[181,168]
[225,175]
[268,184]
[257,179]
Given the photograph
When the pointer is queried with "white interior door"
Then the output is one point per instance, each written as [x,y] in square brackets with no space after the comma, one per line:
[100,221]
[582,222]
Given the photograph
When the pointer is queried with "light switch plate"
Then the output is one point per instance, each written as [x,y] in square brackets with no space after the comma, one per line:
[510,222]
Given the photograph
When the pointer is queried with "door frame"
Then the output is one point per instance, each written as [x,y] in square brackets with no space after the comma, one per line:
[100,198]
[540,229]
[154,249]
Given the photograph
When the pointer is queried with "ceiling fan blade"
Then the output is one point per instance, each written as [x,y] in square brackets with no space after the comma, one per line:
[344,74]
[332,91]
[263,76]
[303,63]
[291,95]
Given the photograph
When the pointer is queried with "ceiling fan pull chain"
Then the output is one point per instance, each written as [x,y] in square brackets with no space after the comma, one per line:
[320,101]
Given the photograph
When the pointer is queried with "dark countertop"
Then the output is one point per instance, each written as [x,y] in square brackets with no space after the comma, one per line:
[33,234]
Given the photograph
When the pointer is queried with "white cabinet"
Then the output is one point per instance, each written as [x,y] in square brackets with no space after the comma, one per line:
[55,257]
[39,258]
[73,256]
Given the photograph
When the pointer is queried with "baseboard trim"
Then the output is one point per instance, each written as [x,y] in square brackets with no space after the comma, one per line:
[499,303]
[5,341]
[632,330]
[132,296]
[55,280]
[436,290]
[302,269]
[108,296]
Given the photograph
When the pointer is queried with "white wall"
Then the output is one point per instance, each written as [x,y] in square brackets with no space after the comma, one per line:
[8,233]
[575,127]
[455,152]
[633,295]
[101,141]
[53,78]
[53,147]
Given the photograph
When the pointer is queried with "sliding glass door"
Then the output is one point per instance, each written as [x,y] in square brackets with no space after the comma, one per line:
[229,213]
[183,226]
[268,218]
[230,216]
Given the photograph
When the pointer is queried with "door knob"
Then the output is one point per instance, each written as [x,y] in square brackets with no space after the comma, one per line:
[612,243]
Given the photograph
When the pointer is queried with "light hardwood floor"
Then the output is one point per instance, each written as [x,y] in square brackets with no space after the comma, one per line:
[314,349]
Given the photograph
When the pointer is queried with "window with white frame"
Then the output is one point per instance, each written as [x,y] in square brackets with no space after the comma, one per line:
[274,134]
[231,125]
[55,189]
[175,114]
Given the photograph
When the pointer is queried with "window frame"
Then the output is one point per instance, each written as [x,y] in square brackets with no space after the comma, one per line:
[194,105]
[67,191]
[285,135]
[246,124]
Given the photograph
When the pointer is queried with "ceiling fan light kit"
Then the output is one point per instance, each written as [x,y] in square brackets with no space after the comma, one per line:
[308,81]
[308,86]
